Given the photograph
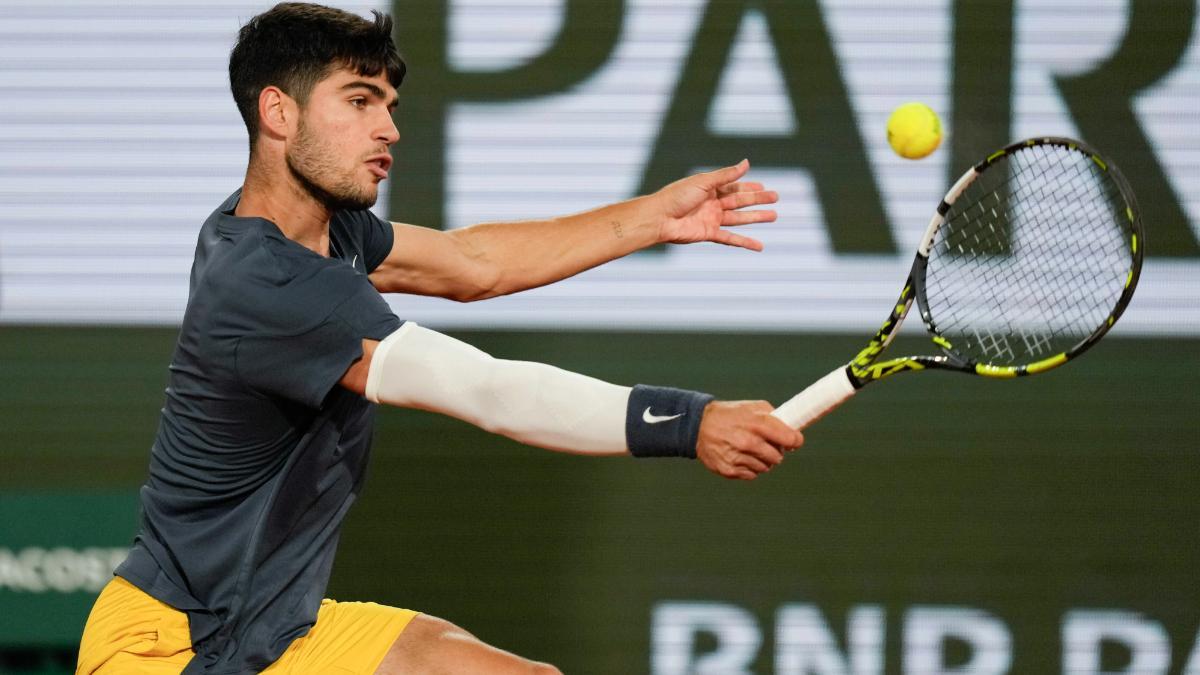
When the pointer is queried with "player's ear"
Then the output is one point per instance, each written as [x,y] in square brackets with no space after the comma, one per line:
[278,113]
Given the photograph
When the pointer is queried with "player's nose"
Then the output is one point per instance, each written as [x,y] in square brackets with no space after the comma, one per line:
[388,133]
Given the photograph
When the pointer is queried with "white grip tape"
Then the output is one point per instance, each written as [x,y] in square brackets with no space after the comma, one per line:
[819,398]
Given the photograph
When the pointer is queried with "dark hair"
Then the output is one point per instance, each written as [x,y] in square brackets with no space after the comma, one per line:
[295,45]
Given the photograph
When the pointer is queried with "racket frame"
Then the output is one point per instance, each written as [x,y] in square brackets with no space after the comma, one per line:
[863,369]
[842,383]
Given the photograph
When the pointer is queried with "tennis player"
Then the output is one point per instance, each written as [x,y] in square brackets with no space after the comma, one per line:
[287,344]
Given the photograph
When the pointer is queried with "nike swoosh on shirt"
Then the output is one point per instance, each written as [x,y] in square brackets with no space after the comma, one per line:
[655,419]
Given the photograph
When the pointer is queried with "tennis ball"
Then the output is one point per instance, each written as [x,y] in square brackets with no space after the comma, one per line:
[914,130]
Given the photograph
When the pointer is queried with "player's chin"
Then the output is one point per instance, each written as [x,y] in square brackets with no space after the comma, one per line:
[360,198]
[368,192]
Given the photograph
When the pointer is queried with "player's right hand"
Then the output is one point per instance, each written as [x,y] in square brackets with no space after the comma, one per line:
[742,439]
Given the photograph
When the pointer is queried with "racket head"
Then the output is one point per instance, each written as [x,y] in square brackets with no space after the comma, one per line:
[1031,258]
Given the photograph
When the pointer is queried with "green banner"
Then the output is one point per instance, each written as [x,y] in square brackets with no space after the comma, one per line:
[57,550]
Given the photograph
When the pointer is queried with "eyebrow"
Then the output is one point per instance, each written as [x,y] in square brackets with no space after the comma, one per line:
[373,89]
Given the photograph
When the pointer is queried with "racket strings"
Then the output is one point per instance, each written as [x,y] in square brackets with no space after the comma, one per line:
[1038,343]
[993,344]
[1032,258]
[1072,184]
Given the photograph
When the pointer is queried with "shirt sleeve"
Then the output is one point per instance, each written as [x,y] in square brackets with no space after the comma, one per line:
[305,366]
[374,234]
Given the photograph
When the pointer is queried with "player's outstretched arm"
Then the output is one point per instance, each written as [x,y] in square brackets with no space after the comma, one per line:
[492,259]
[552,408]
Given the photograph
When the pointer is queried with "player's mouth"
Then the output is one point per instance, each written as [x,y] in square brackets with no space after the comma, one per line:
[379,165]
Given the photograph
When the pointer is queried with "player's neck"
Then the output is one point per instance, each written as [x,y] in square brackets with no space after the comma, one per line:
[278,197]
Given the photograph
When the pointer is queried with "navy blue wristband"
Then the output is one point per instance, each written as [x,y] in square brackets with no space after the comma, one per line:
[663,422]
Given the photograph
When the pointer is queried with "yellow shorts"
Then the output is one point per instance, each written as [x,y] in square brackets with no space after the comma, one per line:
[130,632]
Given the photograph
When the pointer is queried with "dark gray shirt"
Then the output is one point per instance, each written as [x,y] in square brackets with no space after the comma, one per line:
[259,454]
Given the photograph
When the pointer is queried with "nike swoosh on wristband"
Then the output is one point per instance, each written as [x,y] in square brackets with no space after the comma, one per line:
[655,419]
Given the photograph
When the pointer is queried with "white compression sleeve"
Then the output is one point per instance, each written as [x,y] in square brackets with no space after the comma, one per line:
[529,402]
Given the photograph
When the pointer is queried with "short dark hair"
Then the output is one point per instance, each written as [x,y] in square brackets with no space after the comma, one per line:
[295,45]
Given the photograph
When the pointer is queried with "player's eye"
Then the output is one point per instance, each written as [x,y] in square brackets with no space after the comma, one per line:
[358,102]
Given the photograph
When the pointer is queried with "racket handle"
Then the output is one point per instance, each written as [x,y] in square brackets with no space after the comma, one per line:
[819,398]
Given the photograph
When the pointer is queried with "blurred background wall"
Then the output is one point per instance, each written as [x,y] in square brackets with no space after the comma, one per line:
[937,525]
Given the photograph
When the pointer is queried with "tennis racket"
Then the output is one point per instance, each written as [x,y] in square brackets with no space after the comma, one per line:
[1029,260]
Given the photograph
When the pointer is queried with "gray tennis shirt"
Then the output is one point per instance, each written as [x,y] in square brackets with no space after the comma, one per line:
[259,453]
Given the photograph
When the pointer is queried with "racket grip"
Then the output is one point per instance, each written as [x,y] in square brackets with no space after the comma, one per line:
[819,398]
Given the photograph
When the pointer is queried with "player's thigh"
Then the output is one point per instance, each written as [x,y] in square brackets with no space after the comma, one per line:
[433,646]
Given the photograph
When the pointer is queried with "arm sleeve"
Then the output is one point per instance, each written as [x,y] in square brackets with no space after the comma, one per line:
[529,402]
[532,403]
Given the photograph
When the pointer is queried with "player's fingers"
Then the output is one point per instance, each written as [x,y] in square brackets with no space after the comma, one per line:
[729,174]
[762,407]
[776,432]
[738,200]
[731,239]
[747,217]
[752,463]
[739,187]
[733,470]
[768,454]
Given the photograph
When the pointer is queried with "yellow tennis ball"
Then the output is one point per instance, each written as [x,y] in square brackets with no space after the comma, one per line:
[914,130]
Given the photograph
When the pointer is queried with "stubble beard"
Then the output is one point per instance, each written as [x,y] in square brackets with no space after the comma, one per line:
[311,163]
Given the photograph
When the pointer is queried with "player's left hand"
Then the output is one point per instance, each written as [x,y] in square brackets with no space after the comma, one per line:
[700,207]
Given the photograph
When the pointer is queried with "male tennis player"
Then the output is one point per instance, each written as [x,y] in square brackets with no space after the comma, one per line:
[286,344]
